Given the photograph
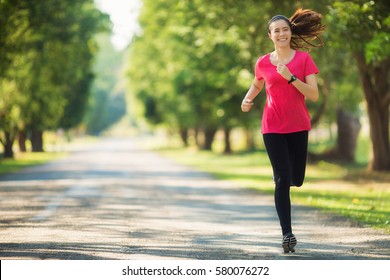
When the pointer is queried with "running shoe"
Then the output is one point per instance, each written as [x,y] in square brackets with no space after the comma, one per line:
[289,242]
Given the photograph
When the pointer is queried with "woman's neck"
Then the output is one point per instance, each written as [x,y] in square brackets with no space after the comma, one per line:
[282,55]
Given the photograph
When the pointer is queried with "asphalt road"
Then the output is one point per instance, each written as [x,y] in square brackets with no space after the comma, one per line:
[112,200]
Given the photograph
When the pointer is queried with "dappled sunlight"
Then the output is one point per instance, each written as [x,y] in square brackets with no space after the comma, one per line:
[114,201]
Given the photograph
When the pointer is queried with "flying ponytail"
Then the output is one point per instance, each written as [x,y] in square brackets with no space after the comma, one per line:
[306,28]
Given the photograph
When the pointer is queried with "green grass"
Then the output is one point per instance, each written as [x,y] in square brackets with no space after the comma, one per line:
[23,160]
[55,147]
[350,192]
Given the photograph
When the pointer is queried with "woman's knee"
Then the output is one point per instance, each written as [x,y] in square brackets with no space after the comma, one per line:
[282,181]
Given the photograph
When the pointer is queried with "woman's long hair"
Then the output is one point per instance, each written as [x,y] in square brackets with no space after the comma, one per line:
[306,28]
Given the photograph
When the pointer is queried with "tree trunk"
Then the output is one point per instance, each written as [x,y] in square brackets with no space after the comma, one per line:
[348,127]
[377,93]
[209,134]
[184,136]
[7,145]
[250,141]
[22,138]
[228,147]
[196,137]
[37,141]
[379,131]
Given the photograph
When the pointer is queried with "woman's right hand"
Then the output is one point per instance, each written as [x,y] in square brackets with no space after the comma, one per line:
[246,105]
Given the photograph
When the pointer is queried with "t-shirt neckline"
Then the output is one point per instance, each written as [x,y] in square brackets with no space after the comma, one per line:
[269,58]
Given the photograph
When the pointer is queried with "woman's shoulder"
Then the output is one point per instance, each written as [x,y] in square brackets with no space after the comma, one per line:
[302,54]
[302,57]
[263,59]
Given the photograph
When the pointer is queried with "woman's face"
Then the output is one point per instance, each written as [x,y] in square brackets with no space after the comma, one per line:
[280,33]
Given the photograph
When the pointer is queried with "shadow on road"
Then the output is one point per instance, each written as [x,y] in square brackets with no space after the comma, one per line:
[115,201]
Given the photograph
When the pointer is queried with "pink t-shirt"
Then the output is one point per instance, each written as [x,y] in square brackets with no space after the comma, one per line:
[285,110]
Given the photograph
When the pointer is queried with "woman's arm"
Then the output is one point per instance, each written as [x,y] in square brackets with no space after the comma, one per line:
[253,91]
[308,88]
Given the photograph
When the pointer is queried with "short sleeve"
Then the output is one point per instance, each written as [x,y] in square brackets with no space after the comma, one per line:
[258,74]
[310,66]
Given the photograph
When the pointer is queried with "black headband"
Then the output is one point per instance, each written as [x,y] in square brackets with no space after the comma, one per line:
[277,17]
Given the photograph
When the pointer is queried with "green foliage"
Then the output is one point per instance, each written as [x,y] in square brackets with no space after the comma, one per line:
[362,26]
[47,48]
[379,48]
[107,100]
[203,54]
[189,68]
[197,56]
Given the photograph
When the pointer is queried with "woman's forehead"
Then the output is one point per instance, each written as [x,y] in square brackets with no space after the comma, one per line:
[280,23]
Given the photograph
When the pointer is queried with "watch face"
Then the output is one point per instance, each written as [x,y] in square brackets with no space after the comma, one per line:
[293,78]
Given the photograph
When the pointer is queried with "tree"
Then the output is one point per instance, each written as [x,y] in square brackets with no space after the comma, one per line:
[13,25]
[48,49]
[364,28]
[63,37]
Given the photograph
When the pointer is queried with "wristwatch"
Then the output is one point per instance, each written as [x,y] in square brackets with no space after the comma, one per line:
[293,79]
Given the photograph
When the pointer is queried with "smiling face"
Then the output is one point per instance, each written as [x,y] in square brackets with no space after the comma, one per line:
[280,33]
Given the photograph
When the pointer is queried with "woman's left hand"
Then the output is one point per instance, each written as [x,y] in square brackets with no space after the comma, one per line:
[283,71]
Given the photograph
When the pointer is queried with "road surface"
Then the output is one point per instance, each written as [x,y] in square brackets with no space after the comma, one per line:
[112,200]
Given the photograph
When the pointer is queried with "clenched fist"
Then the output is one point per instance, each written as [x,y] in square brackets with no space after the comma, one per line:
[246,105]
[283,71]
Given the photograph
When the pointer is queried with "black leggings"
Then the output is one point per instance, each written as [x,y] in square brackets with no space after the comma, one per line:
[287,153]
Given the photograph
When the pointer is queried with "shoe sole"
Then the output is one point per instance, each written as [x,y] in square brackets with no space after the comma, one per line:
[289,243]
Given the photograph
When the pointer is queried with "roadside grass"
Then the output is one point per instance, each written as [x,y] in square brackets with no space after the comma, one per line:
[55,147]
[27,159]
[347,191]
